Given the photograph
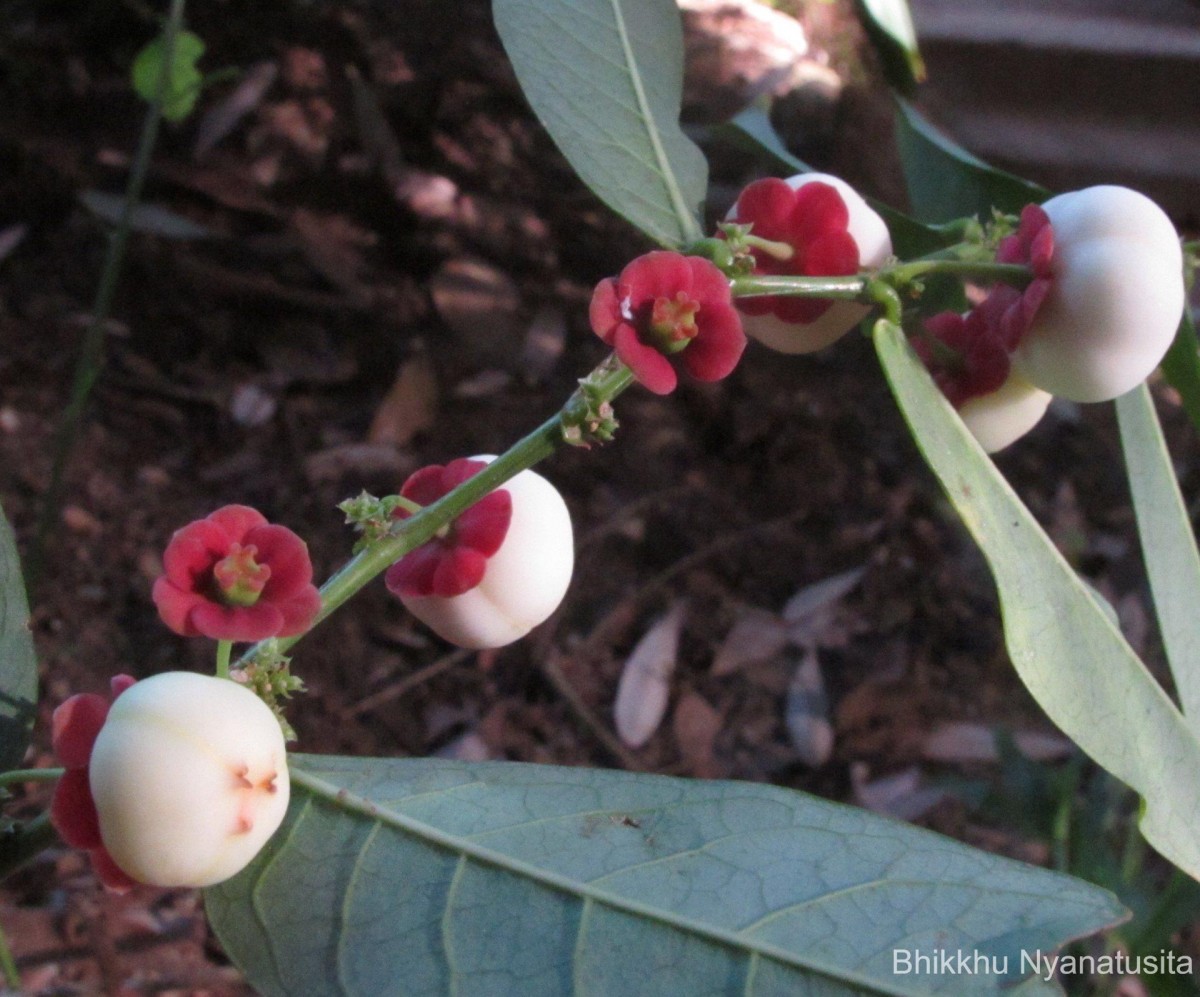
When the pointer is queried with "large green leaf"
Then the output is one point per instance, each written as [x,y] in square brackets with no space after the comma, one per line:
[1181,367]
[1067,651]
[946,182]
[1168,543]
[18,664]
[423,876]
[606,79]
[889,25]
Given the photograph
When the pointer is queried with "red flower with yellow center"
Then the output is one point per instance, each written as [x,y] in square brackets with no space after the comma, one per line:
[664,304]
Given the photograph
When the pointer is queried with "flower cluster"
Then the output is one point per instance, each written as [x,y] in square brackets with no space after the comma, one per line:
[822,227]
[234,576]
[496,572]
[180,782]
[1095,320]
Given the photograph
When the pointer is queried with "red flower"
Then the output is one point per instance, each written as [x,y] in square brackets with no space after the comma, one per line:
[663,303]
[452,564]
[811,219]
[234,576]
[976,358]
[965,354]
[75,726]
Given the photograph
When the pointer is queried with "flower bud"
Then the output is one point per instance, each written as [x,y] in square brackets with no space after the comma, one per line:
[1115,299]
[523,581]
[189,778]
[822,235]
[1005,415]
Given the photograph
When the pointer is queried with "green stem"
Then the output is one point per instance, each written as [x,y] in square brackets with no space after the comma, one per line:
[25,842]
[1005,273]
[17,776]
[851,288]
[8,964]
[91,358]
[601,386]
[224,647]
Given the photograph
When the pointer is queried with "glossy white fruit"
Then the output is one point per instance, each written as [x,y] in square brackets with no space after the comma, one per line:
[189,774]
[525,579]
[1116,299]
[874,247]
[1005,415]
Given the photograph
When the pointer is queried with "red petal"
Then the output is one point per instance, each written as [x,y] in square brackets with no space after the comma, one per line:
[949,327]
[653,371]
[175,606]
[767,205]
[818,211]
[801,311]
[484,526]
[299,611]
[192,552]
[286,555]
[239,623]
[604,312]
[119,683]
[237,520]
[112,876]
[73,812]
[459,570]
[460,470]
[756,305]
[708,284]
[653,275]
[74,728]
[1041,251]
[412,575]
[718,346]
[1010,250]
[832,255]
[424,486]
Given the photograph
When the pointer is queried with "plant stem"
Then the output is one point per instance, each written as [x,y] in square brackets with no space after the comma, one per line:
[1005,273]
[224,647]
[601,386]
[12,978]
[91,357]
[851,288]
[24,842]
[17,776]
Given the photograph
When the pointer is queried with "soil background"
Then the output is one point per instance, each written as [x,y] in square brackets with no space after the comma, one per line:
[396,272]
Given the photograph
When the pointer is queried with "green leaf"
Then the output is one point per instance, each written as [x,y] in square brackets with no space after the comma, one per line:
[1065,649]
[606,79]
[752,131]
[426,876]
[889,25]
[183,78]
[1168,543]
[1181,367]
[947,182]
[18,664]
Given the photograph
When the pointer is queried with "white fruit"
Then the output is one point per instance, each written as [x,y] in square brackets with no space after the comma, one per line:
[1116,298]
[868,230]
[189,774]
[525,580]
[1006,414]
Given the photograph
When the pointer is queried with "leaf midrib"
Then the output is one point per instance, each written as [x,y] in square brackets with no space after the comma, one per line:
[687,221]
[353,802]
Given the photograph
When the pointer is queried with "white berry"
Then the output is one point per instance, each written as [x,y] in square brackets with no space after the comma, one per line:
[1006,414]
[1115,300]
[189,775]
[525,580]
[868,230]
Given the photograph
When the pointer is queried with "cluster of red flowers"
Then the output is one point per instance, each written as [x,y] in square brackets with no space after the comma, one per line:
[970,355]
